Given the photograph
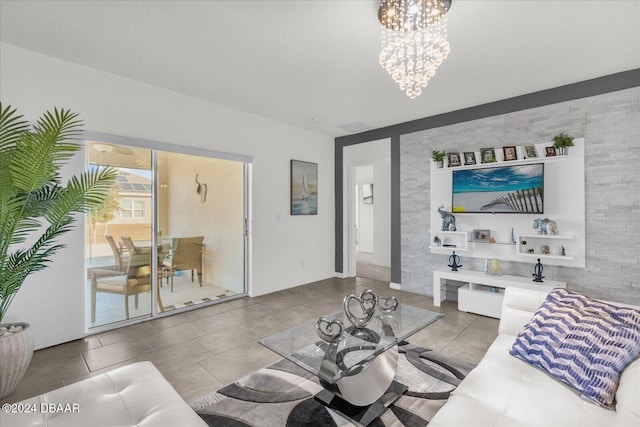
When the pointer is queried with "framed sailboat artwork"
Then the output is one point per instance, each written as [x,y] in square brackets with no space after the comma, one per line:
[304,188]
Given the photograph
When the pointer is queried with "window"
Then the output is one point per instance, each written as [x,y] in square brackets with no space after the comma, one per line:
[131,209]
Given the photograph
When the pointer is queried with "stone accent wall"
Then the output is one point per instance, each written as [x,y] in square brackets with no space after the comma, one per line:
[610,124]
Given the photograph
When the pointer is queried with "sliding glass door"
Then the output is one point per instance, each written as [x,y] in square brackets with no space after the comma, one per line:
[200,228]
[172,234]
[119,237]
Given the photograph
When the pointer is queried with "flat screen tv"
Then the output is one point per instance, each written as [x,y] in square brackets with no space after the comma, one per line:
[502,189]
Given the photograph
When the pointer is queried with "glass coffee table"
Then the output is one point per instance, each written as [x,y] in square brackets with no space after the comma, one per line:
[357,370]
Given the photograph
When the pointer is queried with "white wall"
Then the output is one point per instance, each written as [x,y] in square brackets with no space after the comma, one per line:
[35,83]
[378,154]
[382,212]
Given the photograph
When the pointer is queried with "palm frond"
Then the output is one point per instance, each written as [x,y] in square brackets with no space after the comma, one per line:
[63,126]
[31,189]
[37,155]
[40,201]
[22,262]
[81,194]
[11,127]
[23,229]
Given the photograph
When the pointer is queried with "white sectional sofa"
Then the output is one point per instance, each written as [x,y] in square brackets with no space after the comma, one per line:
[133,395]
[504,391]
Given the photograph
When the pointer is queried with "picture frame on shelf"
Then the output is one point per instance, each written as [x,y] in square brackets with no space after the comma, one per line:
[453,160]
[550,151]
[530,152]
[510,153]
[469,158]
[487,155]
[482,235]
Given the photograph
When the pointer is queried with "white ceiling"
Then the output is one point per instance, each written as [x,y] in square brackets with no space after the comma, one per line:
[294,60]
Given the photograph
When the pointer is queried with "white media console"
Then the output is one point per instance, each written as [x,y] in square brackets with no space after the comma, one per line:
[483,293]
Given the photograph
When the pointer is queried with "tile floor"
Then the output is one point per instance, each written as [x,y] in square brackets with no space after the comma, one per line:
[366,268]
[200,350]
[110,307]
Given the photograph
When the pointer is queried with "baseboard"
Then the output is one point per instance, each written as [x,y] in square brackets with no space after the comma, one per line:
[396,286]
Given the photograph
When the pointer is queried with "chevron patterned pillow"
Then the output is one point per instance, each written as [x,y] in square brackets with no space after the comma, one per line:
[582,342]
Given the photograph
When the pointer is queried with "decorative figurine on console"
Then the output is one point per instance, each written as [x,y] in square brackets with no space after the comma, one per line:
[537,272]
[448,220]
[454,262]
[545,226]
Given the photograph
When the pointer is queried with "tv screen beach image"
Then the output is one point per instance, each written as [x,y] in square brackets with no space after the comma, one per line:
[504,189]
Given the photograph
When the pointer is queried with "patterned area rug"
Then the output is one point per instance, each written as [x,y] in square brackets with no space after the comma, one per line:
[282,394]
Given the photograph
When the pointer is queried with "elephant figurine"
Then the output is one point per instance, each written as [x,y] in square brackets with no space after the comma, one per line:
[545,226]
[448,220]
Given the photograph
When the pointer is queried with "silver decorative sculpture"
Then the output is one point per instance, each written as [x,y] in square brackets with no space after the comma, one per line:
[448,220]
[388,304]
[545,226]
[331,330]
[325,329]
[367,302]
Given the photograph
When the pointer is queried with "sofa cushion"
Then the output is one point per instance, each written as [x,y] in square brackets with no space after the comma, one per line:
[582,342]
[135,395]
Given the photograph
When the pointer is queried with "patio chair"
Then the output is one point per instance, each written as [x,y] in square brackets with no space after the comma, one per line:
[134,280]
[118,255]
[132,248]
[186,255]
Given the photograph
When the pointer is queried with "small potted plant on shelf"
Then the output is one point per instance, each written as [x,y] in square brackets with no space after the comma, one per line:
[562,142]
[37,209]
[438,157]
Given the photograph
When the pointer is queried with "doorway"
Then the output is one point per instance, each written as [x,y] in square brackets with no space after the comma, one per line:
[368,192]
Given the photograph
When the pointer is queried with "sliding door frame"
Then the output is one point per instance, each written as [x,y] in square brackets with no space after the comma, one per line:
[156,147]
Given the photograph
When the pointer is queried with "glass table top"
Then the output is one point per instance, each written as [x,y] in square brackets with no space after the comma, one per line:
[355,348]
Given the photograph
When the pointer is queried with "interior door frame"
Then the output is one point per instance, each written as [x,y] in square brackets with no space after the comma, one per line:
[348,187]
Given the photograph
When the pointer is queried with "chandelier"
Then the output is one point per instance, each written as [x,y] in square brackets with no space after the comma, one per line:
[414,41]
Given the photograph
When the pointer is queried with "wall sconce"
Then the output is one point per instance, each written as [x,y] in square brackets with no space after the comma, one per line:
[201,190]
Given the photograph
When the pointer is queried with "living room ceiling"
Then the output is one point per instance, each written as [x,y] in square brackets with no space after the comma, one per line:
[314,64]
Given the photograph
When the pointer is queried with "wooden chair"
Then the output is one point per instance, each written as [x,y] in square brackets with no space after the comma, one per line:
[134,279]
[186,255]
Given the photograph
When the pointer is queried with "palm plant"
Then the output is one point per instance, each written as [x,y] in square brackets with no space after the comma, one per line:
[35,205]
